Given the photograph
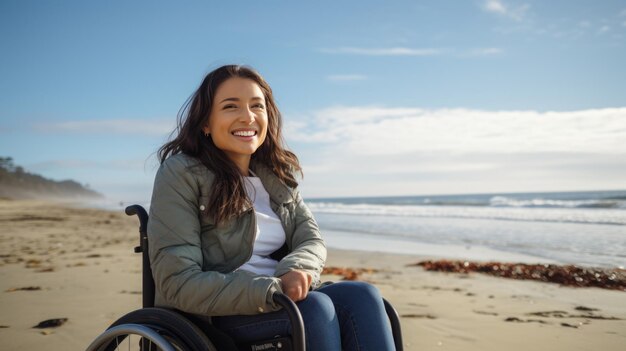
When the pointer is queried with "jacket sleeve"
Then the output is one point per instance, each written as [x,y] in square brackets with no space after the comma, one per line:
[308,250]
[176,255]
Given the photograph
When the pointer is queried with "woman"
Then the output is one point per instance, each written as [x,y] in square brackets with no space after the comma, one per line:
[228,227]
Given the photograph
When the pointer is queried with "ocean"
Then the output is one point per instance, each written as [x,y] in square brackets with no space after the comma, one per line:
[582,228]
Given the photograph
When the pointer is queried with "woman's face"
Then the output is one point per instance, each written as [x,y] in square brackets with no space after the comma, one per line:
[238,119]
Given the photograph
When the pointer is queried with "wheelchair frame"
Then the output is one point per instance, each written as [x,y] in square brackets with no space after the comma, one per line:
[171,330]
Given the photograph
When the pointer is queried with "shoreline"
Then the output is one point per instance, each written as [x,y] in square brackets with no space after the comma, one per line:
[79,264]
[460,249]
[373,243]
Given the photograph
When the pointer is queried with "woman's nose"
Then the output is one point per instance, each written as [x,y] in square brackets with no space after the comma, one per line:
[248,115]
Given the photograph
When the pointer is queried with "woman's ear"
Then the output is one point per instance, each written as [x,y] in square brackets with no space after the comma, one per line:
[206,130]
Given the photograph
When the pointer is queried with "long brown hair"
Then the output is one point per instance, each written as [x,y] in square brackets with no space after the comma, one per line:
[228,196]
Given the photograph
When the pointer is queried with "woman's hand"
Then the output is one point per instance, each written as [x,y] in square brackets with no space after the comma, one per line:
[295,284]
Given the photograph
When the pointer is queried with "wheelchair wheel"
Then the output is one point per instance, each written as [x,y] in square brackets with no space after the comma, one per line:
[135,337]
[152,329]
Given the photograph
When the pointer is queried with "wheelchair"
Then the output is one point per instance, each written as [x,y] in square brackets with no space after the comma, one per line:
[153,328]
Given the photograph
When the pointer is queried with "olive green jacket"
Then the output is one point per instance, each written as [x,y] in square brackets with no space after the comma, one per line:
[194,262]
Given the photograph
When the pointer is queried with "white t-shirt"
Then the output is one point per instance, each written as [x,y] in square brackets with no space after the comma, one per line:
[270,235]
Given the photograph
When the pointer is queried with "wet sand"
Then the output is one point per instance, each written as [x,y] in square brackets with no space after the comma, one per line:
[60,262]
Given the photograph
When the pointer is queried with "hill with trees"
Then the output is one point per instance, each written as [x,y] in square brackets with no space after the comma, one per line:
[16,183]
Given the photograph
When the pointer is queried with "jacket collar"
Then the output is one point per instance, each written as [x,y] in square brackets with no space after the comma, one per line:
[279,191]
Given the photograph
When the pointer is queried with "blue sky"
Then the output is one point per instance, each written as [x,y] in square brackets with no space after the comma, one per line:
[379,98]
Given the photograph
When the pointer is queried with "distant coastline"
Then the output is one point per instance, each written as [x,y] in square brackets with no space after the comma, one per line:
[17,183]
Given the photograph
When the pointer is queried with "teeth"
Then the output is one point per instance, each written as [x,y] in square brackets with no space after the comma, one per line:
[244,133]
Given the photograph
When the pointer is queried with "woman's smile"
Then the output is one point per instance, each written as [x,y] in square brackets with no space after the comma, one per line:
[245,134]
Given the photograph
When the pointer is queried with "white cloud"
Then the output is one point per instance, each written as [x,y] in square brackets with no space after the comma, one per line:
[604,29]
[402,51]
[485,52]
[500,8]
[346,77]
[446,173]
[65,164]
[373,150]
[386,131]
[395,51]
[156,127]
[329,125]
[495,6]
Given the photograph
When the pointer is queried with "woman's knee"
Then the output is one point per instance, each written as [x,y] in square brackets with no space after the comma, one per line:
[365,289]
[320,322]
[317,306]
[354,290]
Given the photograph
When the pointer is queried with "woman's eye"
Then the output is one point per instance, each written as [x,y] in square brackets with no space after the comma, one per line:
[229,106]
[261,106]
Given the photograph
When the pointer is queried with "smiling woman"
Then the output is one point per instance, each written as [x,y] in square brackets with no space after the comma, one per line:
[232,99]
[228,227]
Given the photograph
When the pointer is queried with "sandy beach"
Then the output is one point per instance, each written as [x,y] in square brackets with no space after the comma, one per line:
[63,262]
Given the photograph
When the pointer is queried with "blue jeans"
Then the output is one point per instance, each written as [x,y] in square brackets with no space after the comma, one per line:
[339,316]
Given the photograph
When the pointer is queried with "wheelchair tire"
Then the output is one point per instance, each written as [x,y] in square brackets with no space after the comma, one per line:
[116,338]
[177,329]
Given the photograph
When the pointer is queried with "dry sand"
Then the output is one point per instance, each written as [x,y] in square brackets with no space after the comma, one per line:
[82,262]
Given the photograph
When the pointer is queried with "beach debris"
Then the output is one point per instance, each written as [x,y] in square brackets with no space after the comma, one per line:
[567,275]
[28,217]
[564,314]
[45,270]
[25,288]
[98,255]
[549,314]
[76,264]
[585,309]
[33,263]
[594,316]
[4,326]
[51,323]
[348,273]
[425,316]
[569,325]
[46,332]
[11,259]
[130,292]
[517,320]
[485,313]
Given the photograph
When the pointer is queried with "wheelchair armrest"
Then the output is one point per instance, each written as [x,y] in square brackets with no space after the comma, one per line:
[297,324]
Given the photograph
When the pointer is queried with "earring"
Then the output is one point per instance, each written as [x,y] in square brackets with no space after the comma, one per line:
[206,134]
